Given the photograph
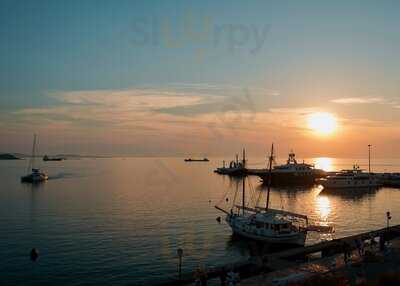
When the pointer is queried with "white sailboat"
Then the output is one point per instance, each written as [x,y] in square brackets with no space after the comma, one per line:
[266,224]
[36,175]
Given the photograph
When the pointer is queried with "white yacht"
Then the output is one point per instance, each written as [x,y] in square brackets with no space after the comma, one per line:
[355,178]
[36,176]
[292,173]
[266,224]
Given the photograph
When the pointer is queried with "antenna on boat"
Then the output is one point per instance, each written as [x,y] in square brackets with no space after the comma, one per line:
[271,158]
[244,157]
[369,158]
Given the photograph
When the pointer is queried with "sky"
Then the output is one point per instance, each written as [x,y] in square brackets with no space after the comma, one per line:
[195,78]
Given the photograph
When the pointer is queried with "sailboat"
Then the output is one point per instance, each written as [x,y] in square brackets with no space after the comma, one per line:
[36,176]
[266,224]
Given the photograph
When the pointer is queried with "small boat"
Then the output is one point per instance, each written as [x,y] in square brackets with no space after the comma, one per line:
[351,179]
[197,160]
[292,173]
[47,158]
[36,176]
[266,224]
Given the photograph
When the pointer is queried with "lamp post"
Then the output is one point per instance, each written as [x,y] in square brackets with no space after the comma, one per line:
[369,159]
[180,254]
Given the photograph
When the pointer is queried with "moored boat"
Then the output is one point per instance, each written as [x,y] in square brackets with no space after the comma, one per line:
[235,169]
[197,160]
[351,179]
[390,179]
[292,173]
[48,158]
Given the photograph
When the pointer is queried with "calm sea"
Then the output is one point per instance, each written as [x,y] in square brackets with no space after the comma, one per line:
[120,221]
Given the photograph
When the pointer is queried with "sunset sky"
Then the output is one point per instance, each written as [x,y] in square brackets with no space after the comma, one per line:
[178,78]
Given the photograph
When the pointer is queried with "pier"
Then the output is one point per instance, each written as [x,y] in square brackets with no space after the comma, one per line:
[292,257]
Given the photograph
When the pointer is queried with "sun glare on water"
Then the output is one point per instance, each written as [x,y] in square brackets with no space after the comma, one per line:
[322,123]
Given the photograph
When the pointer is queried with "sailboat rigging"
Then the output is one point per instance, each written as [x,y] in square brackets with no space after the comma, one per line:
[35,176]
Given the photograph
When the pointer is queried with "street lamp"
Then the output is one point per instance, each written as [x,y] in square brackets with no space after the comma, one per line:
[180,254]
[369,158]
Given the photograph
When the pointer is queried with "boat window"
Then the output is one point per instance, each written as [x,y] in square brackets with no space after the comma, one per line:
[259,224]
[276,227]
[267,225]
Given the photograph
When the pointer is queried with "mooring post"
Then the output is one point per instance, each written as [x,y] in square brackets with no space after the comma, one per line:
[180,254]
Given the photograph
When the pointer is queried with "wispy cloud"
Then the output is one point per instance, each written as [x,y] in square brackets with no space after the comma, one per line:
[358,100]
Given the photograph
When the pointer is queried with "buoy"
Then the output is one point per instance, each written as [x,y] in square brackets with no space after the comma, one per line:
[34,254]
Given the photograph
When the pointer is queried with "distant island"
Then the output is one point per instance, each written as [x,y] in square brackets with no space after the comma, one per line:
[8,156]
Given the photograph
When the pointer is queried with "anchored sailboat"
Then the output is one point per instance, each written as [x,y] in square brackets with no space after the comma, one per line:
[36,176]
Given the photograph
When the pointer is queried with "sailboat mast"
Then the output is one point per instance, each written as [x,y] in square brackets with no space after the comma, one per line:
[271,158]
[243,195]
[32,159]
[244,158]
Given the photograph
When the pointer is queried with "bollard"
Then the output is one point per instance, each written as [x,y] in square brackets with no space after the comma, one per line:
[34,255]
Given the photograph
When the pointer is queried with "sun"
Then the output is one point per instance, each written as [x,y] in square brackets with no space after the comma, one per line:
[322,123]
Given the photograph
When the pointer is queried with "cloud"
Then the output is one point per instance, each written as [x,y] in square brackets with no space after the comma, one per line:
[358,100]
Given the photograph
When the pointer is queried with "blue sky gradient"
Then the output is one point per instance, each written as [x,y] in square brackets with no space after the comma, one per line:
[307,55]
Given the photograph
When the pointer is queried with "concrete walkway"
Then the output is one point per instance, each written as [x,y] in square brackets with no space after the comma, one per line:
[358,270]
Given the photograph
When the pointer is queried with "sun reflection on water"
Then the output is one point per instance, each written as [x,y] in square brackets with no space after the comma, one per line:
[323,208]
[324,163]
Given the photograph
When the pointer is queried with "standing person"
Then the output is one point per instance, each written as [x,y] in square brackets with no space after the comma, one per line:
[382,242]
[362,247]
[358,245]
[344,250]
[223,276]
[203,278]
[231,278]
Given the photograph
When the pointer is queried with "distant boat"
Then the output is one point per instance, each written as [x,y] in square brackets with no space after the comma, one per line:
[36,176]
[351,179]
[292,173]
[47,158]
[8,156]
[197,160]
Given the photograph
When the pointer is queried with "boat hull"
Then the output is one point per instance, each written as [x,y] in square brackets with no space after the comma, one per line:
[346,185]
[289,178]
[298,238]
[34,179]
[234,172]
